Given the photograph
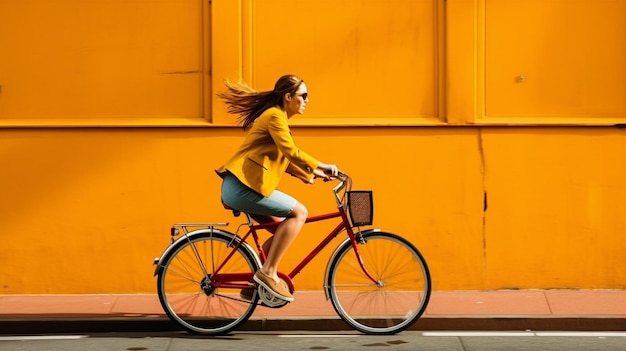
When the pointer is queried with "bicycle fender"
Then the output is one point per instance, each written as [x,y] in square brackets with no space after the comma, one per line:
[192,235]
[340,248]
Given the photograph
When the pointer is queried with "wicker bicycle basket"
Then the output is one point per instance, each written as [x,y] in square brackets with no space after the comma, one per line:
[360,207]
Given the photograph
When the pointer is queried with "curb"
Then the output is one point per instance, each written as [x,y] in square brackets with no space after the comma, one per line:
[162,324]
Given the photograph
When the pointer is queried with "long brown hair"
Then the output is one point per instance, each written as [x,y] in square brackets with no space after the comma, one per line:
[249,104]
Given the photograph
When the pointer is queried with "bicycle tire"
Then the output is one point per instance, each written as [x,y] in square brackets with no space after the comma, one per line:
[182,284]
[404,283]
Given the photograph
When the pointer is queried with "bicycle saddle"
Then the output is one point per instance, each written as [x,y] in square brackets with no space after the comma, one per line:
[236,213]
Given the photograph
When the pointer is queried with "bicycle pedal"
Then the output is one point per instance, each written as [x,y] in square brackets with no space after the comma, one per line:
[270,300]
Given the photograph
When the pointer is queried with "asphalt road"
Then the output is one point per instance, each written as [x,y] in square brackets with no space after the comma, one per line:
[276,341]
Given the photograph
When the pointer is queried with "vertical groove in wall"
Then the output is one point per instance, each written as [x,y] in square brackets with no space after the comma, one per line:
[206,44]
[483,168]
[247,41]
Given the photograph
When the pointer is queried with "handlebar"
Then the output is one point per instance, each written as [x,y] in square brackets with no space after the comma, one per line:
[345,182]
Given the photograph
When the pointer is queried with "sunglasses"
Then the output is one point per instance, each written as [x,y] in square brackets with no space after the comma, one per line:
[304,95]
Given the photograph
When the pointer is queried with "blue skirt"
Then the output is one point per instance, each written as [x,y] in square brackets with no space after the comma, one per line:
[239,196]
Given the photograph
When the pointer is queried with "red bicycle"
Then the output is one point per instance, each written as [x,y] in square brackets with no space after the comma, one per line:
[377,282]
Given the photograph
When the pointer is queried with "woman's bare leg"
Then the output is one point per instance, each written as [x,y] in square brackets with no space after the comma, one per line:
[285,234]
[267,245]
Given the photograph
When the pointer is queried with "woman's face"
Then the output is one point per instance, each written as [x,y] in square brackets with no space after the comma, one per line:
[295,103]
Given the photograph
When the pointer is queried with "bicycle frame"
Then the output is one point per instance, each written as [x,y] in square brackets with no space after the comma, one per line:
[227,279]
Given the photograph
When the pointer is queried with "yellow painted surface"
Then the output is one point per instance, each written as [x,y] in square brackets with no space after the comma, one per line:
[561,223]
[109,132]
[380,58]
[115,58]
[90,215]
[555,58]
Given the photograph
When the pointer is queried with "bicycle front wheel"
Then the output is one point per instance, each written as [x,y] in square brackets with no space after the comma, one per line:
[398,296]
[187,292]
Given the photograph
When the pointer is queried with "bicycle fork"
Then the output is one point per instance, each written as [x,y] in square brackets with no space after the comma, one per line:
[353,241]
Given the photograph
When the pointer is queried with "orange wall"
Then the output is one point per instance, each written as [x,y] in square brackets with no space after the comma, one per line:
[109,132]
[86,210]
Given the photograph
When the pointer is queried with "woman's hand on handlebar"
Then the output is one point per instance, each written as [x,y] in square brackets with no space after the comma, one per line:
[326,171]
[319,173]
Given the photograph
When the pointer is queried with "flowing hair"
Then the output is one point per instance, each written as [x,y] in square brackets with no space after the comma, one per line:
[249,104]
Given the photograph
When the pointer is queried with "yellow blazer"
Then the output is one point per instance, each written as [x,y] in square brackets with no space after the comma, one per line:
[267,152]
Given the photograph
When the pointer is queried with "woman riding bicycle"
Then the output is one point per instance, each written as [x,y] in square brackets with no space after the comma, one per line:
[251,176]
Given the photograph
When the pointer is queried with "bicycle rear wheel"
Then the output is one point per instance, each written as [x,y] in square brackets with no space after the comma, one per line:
[396,300]
[185,287]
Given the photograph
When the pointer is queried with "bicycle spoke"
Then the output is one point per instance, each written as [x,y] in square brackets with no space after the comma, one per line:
[200,263]
[186,274]
[354,285]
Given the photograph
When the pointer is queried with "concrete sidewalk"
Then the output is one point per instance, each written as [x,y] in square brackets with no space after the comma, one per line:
[580,310]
